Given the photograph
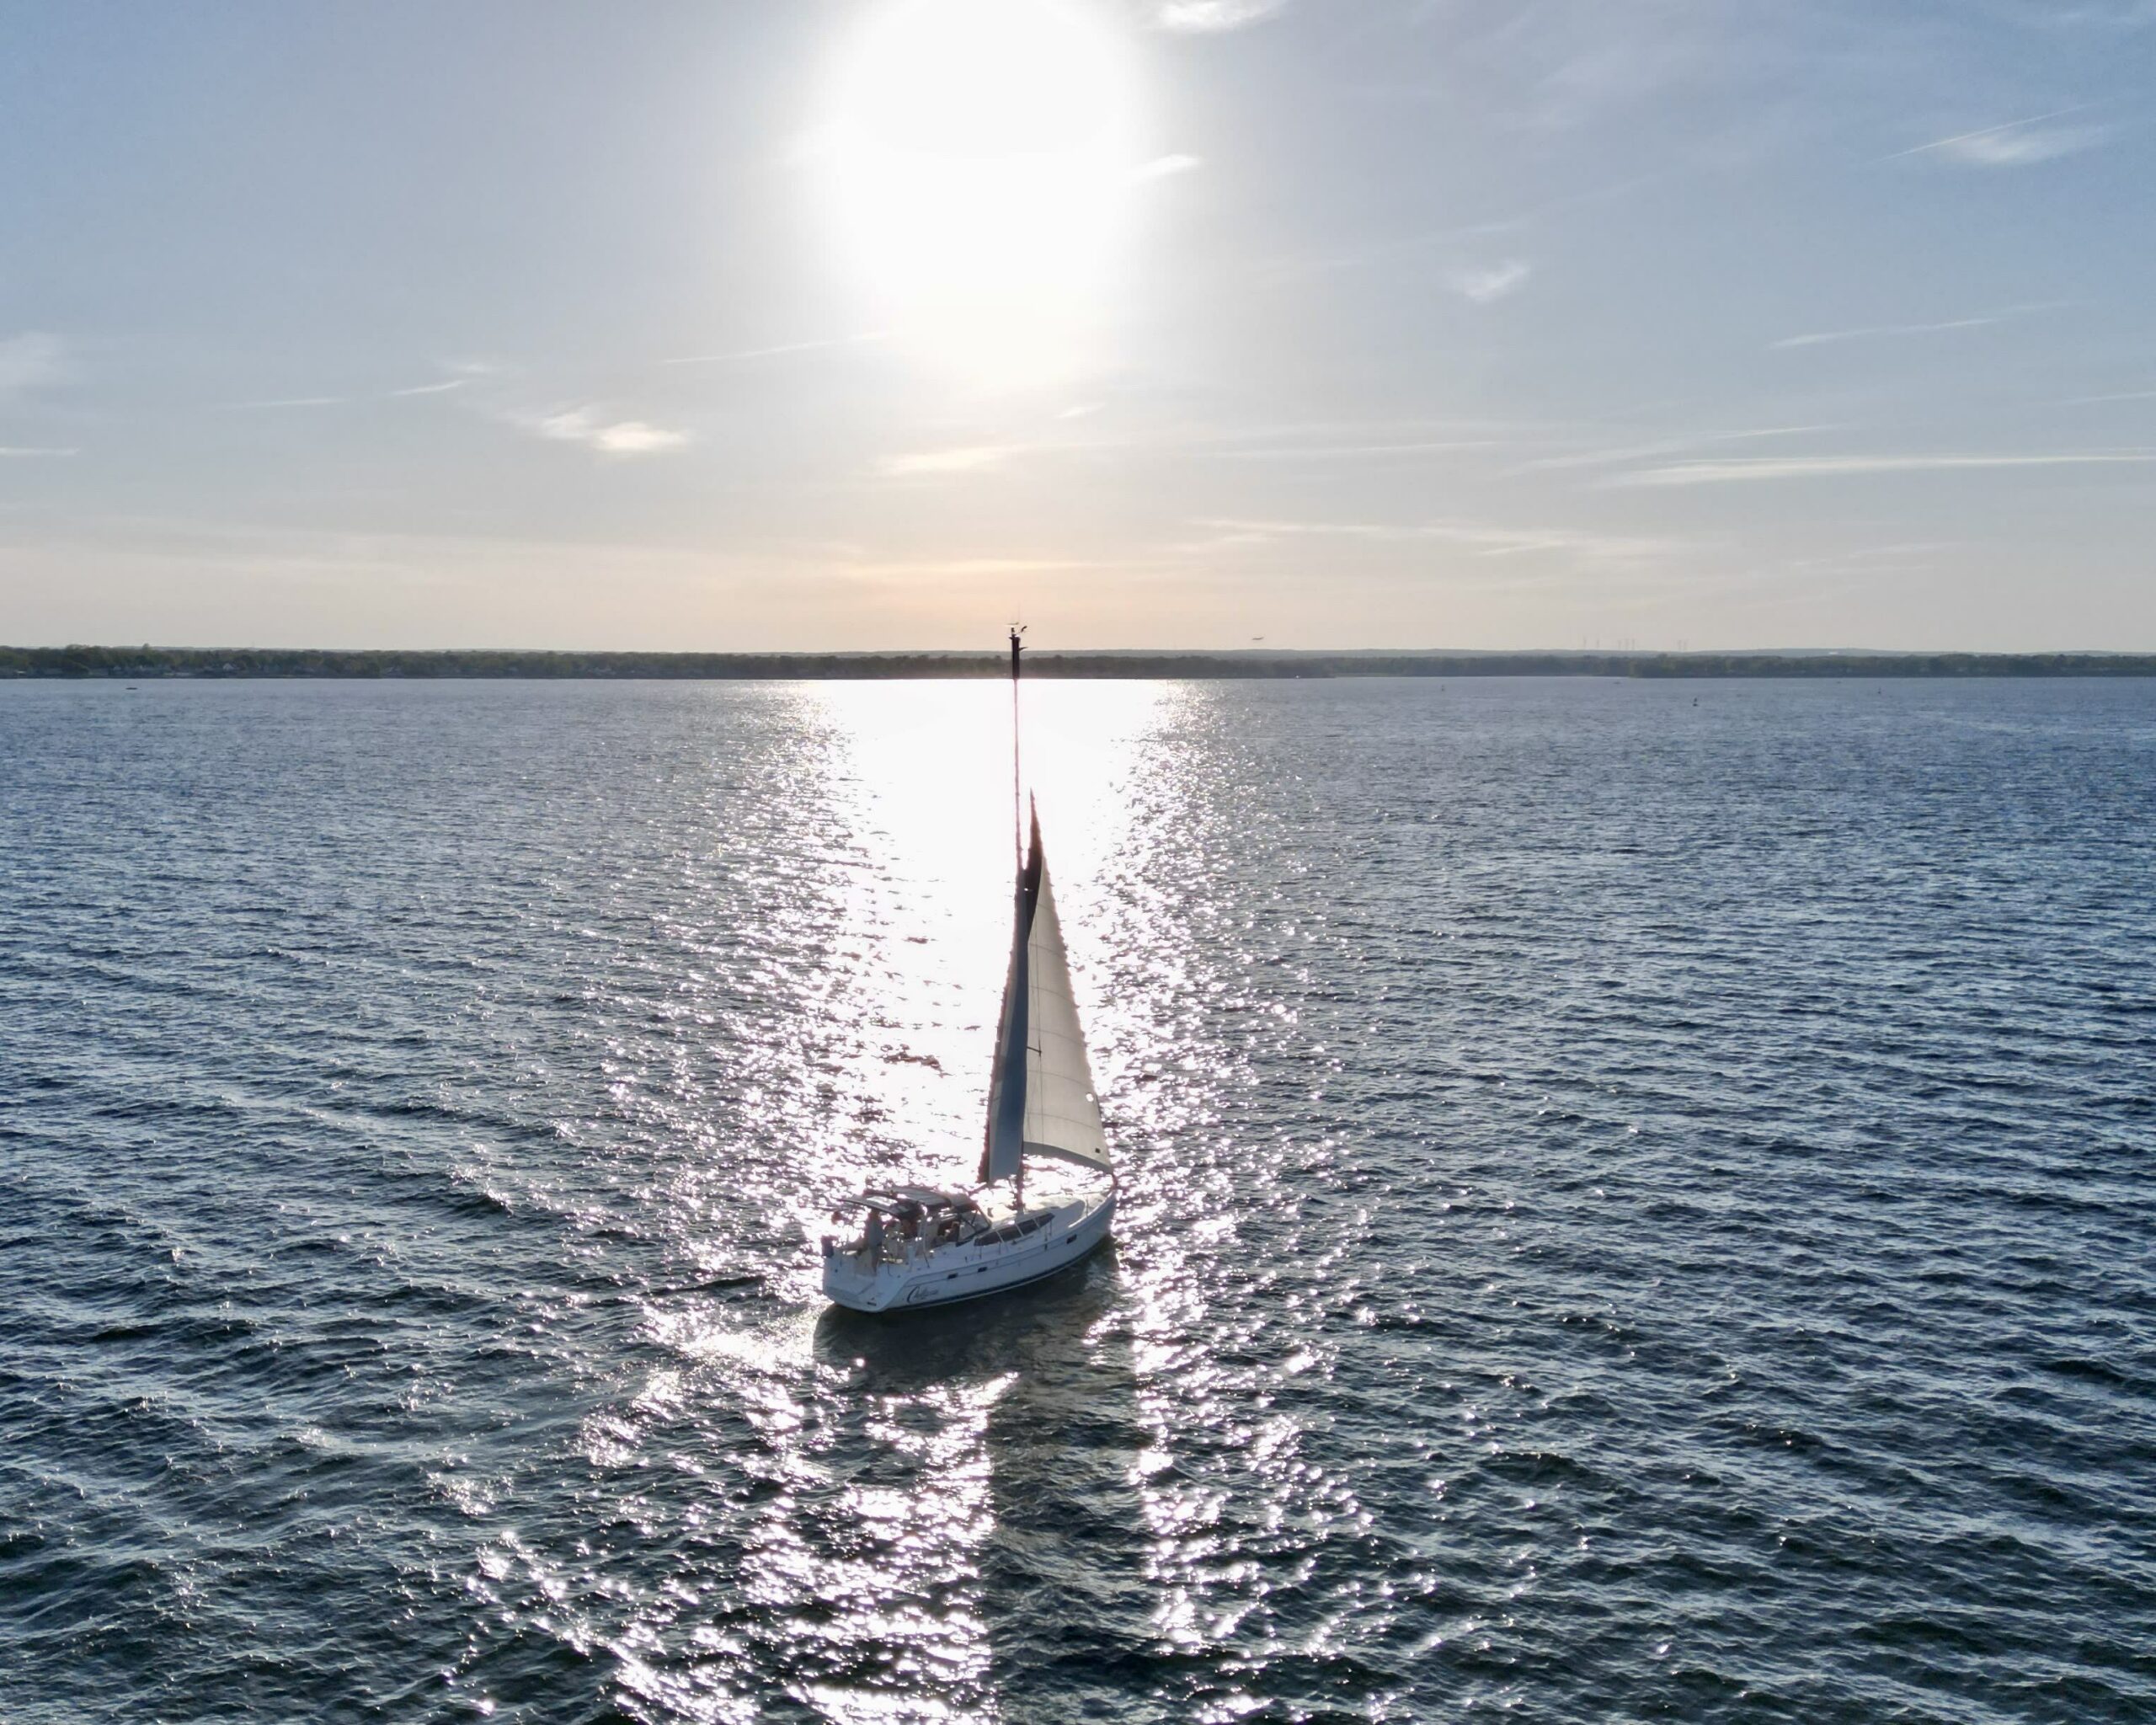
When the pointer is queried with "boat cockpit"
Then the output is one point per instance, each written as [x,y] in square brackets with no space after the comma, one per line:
[904,1224]
[900,1218]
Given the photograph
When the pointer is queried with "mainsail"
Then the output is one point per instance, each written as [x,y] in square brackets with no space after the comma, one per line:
[1002,1153]
[1040,1095]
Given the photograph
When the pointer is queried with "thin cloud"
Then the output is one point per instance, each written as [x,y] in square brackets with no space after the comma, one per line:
[341,401]
[2015,144]
[975,567]
[285,401]
[621,437]
[1481,538]
[1747,470]
[1869,332]
[2126,15]
[1206,16]
[1879,560]
[2018,149]
[1486,286]
[1432,239]
[1167,167]
[31,360]
[930,463]
[1338,440]
[1616,457]
[737,355]
[18,452]
[1344,451]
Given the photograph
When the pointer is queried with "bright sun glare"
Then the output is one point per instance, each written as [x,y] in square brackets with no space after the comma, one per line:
[981,153]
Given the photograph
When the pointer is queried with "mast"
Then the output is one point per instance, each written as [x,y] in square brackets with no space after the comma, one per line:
[1017,809]
[1018,845]
[1003,1154]
[1040,1089]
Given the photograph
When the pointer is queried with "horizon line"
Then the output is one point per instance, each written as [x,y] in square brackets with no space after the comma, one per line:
[80,659]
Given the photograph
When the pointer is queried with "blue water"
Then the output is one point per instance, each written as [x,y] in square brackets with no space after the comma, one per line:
[1637,1204]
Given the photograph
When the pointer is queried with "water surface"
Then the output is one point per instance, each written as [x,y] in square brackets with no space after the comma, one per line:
[1637,1204]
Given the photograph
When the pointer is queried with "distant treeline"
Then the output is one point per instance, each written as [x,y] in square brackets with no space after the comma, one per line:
[317,662]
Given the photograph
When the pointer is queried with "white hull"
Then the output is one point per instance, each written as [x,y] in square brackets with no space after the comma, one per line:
[916,1274]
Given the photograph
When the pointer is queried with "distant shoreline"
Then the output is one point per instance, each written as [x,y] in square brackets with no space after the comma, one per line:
[186,662]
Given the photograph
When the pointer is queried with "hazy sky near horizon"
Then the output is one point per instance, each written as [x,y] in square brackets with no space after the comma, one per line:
[822,325]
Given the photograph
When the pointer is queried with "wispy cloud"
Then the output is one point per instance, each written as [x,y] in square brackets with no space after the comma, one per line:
[930,462]
[1488,284]
[737,355]
[1603,58]
[2127,15]
[1343,441]
[1899,558]
[1389,449]
[1822,338]
[1748,470]
[2015,144]
[1481,539]
[621,437]
[340,401]
[285,401]
[17,451]
[1201,16]
[963,568]
[31,361]
[1610,457]
[1167,167]
[2017,149]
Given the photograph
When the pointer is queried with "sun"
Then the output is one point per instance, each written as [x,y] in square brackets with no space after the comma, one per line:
[981,161]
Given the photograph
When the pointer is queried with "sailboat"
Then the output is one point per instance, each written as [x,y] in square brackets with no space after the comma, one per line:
[923,1246]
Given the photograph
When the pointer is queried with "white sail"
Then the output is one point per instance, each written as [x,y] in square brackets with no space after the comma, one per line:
[1063,1115]
[1041,1102]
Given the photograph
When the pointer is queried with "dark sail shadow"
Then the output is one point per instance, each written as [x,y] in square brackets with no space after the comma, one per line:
[1063,1592]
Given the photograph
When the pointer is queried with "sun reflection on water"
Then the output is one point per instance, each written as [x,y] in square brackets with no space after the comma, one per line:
[912,1521]
[899,1521]
[921,775]
[890,1461]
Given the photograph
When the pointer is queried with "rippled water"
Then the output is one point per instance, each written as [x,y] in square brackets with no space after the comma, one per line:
[1637,1204]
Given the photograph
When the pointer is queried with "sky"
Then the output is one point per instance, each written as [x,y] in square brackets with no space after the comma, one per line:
[1327,323]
